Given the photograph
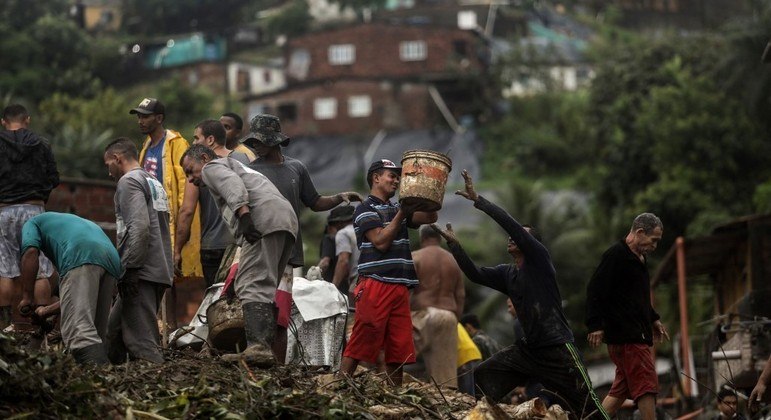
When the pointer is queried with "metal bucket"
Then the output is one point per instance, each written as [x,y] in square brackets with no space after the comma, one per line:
[226,325]
[424,176]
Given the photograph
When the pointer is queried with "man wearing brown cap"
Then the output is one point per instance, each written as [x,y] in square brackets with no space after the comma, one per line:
[292,179]
[160,156]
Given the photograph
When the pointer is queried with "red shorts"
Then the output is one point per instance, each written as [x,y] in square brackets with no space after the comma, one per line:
[382,322]
[635,371]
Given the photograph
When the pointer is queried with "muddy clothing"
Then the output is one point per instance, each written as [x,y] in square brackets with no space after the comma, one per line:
[293,180]
[85,294]
[262,263]
[144,243]
[434,333]
[394,265]
[618,298]
[532,288]
[486,345]
[71,241]
[215,236]
[546,353]
[27,167]
[559,368]
[88,266]
[12,220]
[133,327]
[142,219]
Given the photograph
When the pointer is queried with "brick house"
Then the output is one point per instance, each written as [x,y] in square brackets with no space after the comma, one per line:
[362,78]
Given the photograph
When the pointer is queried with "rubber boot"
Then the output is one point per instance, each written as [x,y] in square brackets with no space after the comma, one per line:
[260,328]
[95,354]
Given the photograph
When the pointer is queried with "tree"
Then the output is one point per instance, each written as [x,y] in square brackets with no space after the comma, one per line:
[157,17]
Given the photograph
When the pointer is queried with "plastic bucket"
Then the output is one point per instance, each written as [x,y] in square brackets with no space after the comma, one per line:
[424,177]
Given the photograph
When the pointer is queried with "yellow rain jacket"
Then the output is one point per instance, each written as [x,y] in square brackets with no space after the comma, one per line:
[467,350]
[174,182]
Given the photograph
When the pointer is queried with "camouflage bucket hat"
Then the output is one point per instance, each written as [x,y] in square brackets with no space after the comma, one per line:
[266,129]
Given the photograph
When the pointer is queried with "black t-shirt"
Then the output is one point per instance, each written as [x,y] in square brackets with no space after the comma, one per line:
[328,250]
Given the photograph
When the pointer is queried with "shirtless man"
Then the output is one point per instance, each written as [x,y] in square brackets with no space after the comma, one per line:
[437,304]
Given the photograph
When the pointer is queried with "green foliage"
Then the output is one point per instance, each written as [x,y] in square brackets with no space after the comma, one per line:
[108,110]
[675,144]
[79,151]
[184,105]
[153,17]
[542,135]
[294,19]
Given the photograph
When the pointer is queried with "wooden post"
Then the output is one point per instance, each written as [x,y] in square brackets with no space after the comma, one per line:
[685,357]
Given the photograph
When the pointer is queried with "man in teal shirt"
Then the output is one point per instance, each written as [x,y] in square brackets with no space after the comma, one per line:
[88,266]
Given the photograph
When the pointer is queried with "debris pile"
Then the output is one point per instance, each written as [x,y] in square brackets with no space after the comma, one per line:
[50,385]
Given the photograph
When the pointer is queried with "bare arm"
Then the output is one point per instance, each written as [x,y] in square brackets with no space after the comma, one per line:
[324,263]
[184,220]
[327,202]
[342,269]
[381,238]
[760,388]
[29,267]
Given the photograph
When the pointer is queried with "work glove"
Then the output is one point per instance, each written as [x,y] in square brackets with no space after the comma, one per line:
[247,230]
[128,285]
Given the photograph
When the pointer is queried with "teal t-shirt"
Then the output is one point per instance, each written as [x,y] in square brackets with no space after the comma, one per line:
[70,241]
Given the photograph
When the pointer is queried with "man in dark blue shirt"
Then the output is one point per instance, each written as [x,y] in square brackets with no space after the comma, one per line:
[386,272]
[546,353]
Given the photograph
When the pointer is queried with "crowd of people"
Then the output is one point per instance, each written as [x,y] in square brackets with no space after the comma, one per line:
[181,210]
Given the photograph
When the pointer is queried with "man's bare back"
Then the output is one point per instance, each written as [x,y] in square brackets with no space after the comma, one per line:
[441,283]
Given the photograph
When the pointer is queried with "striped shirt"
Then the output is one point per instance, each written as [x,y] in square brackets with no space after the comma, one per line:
[394,265]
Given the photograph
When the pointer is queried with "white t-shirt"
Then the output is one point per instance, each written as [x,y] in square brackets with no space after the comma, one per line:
[345,241]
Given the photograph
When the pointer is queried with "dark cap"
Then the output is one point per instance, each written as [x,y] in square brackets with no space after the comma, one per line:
[341,214]
[266,129]
[149,106]
[383,164]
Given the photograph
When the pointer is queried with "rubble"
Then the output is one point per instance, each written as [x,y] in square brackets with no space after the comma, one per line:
[48,385]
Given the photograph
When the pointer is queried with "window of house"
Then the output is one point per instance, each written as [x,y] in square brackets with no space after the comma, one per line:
[412,50]
[243,81]
[359,106]
[342,54]
[467,19]
[287,111]
[266,77]
[325,108]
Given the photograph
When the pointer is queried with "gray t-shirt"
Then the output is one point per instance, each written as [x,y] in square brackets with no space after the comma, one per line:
[233,185]
[142,219]
[214,232]
[294,182]
[345,241]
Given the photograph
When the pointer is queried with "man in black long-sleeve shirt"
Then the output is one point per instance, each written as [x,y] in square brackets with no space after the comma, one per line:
[546,353]
[619,312]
